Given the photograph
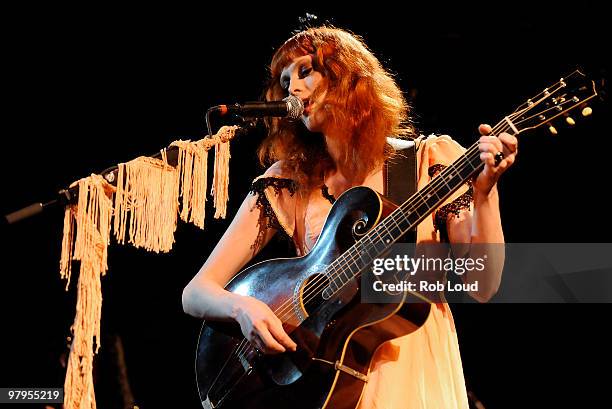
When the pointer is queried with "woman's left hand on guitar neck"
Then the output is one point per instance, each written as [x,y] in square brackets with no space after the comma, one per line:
[490,146]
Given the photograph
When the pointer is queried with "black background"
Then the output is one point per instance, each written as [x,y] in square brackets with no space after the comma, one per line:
[86,88]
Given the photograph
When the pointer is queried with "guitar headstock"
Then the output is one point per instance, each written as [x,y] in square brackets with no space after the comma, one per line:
[569,93]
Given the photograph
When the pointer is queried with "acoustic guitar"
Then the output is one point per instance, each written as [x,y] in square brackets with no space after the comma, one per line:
[318,296]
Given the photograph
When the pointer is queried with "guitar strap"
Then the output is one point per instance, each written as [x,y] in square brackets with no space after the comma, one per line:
[400,177]
[400,182]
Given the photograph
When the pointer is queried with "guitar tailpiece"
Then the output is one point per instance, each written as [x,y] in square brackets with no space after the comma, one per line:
[350,371]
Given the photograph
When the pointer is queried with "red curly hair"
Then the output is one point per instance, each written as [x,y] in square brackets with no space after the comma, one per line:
[362,100]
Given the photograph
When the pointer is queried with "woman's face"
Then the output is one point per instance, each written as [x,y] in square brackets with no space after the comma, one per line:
[300,79]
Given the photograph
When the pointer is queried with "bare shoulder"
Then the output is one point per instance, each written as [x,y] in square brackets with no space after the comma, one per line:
[400,144]
[276,170]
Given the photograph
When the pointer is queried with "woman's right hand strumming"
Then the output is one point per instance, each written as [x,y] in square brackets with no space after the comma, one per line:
[261,327]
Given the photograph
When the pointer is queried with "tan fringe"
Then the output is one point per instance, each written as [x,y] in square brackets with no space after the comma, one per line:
[67,240]
[192,167]
[92,213]
[147,190]
[220,188]
[185,169]
[200,184]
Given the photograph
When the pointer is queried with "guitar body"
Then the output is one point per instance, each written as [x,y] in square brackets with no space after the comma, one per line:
[336,335]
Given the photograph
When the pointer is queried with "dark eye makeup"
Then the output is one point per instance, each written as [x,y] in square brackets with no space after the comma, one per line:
[303,72]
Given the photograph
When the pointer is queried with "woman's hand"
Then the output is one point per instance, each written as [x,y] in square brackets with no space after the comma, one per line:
[495,163]
[261,327]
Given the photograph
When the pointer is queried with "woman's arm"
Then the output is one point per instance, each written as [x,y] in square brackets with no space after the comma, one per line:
[205,296]
[482,228]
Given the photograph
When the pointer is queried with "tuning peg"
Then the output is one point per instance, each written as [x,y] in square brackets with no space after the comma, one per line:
[553,130]
[570,120]
[587,111]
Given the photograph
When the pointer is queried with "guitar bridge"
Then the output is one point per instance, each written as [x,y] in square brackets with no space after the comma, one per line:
[206,404]
[245,363]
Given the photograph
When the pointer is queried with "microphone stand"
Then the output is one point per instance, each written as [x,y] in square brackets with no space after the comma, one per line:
[71,195]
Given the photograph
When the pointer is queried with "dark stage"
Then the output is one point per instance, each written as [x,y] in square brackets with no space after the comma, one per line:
[85,89]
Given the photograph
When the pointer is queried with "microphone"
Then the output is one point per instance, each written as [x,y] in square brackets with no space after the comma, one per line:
[291,107]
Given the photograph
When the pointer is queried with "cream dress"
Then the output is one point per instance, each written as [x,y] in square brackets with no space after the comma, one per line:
[420,370]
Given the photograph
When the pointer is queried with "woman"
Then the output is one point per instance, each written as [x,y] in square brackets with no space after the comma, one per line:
[351,106]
